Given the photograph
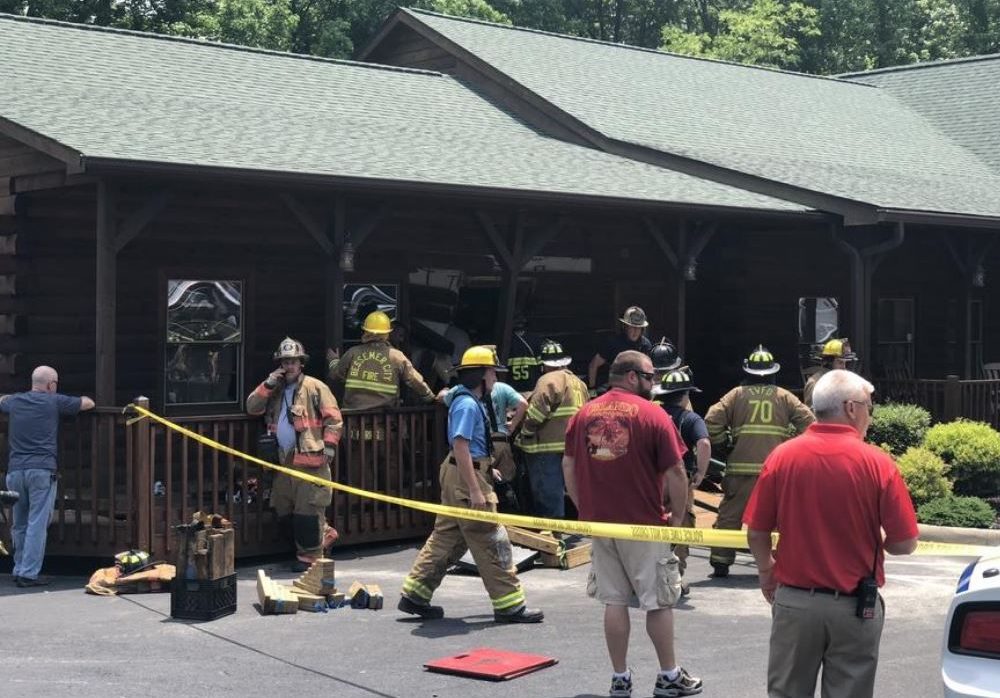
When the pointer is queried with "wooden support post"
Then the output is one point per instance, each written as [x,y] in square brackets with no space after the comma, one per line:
[335,277]
[952,399]
[508,291]
[680,336]
[142,483]
[107,294]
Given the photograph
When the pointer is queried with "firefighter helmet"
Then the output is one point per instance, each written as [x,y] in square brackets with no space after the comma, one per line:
[132,561]
[553,354]
[377,323]
[675,382]
[480,356]
[665,356]
[839,349]
[291,349]
[761,362]
[634,316]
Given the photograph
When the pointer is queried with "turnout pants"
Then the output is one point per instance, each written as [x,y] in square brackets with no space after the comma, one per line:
[301,507]
[736,491]
[682,551]
[451,537]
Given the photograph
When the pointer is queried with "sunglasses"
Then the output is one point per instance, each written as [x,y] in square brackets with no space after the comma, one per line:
[644,374]
[870,406]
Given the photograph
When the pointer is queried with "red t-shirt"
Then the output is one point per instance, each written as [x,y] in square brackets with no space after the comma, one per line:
[825,493]
[622,446]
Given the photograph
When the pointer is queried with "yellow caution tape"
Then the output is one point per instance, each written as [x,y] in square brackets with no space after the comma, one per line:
[704,537]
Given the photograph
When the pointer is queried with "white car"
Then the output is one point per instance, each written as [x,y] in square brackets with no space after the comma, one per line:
[970,662]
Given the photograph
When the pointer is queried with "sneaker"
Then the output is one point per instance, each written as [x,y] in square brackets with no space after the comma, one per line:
[521,615]
[683,685]
[26,582]
[330,537]
[685,588]
[621,687]
[419,608]
[720,571]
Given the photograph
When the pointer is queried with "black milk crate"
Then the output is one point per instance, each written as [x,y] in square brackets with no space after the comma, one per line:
[202,599]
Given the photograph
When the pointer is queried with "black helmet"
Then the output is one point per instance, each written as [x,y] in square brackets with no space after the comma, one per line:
[665,356]
[553,355]
[761,362]
[675,382]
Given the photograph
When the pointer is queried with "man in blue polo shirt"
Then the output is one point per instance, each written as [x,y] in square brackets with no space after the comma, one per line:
[467,482]
[33,438]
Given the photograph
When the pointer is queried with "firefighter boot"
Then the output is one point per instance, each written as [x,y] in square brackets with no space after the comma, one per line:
[419,608]
[521,615]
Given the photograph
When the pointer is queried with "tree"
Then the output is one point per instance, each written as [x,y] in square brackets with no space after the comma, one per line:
[767,33]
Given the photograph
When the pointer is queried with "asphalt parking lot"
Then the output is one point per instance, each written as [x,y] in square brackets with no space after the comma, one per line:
[62,642]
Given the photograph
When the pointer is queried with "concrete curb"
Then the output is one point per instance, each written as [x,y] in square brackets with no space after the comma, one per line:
[966,536]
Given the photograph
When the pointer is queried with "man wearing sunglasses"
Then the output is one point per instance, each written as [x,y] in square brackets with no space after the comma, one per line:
[830,495]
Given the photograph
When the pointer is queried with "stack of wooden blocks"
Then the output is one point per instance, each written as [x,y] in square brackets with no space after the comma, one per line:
[206,548]
[314,591]
[557,553]
[365,596]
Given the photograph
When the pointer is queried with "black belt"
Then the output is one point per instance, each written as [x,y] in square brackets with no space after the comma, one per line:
[499,437]
[822,590]
[477,464]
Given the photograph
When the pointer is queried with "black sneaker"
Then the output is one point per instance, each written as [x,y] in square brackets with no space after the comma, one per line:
[621,687]
[521,615]
[27,582]
[417,608]
[683,685]
[720,571]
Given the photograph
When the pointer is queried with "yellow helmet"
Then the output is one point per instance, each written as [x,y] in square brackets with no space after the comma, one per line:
[377,323]
[839,349]
[480,356]
[291,349]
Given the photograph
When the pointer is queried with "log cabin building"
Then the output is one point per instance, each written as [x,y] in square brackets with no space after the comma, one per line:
[170,209]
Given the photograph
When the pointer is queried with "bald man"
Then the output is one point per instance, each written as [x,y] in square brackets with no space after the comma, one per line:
[33,437]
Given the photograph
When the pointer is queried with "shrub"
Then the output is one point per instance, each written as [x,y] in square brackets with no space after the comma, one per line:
[966,512]
[972,449]
[924,474]
[898,426]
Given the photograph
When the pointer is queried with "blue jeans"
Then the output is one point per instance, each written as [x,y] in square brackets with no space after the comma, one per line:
[547,485]
[37,487]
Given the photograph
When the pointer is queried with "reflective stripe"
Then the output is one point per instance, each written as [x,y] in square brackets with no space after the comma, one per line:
[743,468]
[372,386]
[565,411]
[544,447]
[309,460]
[760,429]
[263,391]
[535,414]
[412,586]
[511,600]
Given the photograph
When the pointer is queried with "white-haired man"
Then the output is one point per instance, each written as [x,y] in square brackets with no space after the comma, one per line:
[33,435]
[829,495]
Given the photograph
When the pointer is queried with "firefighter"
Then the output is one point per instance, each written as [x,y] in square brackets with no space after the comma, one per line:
[557,396]
[371,373]
[525,366]
[665,358]
[836,354]
[751,419]
[672,394]
[467,482]
[303,414]
[634,324]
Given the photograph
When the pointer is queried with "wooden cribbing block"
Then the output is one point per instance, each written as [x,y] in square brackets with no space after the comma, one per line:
[319,579]
[307,601]
[336,599]
[358,595]
[542,542]
[375,599]
[573,557]
[274,597]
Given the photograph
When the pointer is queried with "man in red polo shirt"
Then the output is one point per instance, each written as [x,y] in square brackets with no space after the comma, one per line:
[621,451]
[829,495]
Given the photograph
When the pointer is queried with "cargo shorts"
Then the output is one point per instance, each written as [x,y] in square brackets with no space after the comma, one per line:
[625,569]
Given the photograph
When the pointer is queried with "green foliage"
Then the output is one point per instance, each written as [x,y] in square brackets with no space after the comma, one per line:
[972,449]
[924,475]
[898,426]
[964,512]
[766,33]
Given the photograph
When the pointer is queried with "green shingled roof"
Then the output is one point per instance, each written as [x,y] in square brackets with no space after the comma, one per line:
[829,136]
[133,97]
[960,97]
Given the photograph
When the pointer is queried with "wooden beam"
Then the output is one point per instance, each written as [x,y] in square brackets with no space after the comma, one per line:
[661,241]
[534,245]
[508,291]
[49,180]
[335,277]
[490,228]
[137,222]
[29,163]
[317,228]
[107,294]
[367,225]
[680,289]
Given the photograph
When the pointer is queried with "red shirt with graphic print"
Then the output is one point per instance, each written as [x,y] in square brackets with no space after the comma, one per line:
[622,446]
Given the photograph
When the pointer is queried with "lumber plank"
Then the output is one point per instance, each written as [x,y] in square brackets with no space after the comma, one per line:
[541,542]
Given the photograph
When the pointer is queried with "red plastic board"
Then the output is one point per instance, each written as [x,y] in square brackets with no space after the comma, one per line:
[489,663]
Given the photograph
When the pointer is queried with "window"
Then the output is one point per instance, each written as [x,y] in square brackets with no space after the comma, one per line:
[894,350]
[819,322]
[204,354]
[361,299]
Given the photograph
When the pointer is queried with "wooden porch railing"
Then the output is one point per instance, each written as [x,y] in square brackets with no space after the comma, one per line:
[948,398]
[124,485]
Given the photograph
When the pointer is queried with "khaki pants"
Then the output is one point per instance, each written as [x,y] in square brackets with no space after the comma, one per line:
[451,537]
[301,506]
[736,491]
[810,631]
